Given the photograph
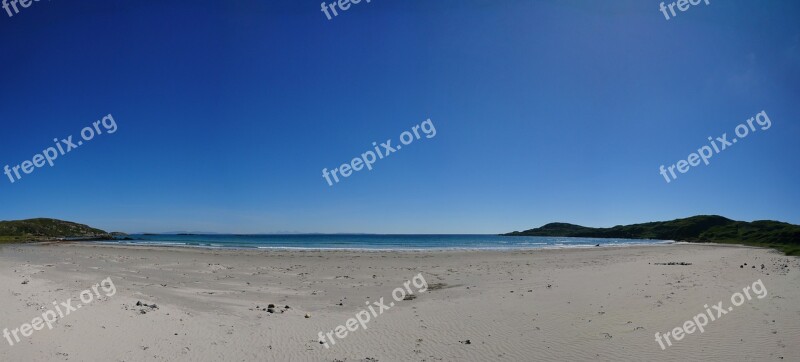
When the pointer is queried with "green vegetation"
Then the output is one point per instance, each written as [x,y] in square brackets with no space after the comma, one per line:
[697,229]
[47,229]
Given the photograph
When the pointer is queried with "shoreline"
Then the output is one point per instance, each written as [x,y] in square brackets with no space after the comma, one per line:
[267,250]
[367,249]
[168,245]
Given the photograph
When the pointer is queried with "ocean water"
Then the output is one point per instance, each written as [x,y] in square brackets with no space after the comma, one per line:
[376,242]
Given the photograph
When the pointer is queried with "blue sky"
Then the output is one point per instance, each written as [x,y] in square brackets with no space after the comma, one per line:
[545,111]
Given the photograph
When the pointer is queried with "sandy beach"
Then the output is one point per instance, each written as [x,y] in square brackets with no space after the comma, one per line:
[568,304]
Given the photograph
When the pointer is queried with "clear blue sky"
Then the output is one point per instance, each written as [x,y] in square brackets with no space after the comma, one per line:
[228,111]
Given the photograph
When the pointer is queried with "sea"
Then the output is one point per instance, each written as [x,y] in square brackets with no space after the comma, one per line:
[375,242]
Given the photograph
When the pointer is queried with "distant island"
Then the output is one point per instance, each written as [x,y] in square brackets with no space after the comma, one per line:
[697,229]
[49,230]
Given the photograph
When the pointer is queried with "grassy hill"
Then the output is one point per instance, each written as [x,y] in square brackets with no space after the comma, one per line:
[698,229]
[47,229]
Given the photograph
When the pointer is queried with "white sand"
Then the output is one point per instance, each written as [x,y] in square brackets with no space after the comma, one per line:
[569,305]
